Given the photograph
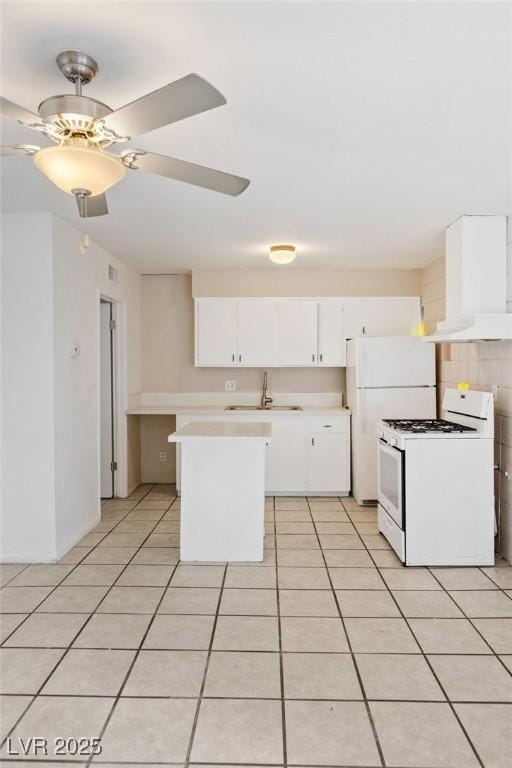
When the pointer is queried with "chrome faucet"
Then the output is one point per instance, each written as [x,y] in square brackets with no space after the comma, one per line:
[266,401]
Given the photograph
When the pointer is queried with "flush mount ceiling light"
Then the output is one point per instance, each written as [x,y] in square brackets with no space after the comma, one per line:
[282,254]
[84,129]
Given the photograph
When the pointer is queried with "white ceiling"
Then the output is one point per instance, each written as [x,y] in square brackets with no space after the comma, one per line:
[365,128]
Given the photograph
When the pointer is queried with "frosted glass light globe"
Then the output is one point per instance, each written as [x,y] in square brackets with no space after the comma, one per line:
[282,254]
[80,167]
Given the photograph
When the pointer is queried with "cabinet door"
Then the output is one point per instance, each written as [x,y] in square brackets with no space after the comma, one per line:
[257,332]
[328,463]
[331,338]
[381,316]
[216,332]
[297,333]
[286,463]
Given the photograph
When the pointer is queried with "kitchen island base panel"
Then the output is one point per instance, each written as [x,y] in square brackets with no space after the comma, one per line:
[222,501]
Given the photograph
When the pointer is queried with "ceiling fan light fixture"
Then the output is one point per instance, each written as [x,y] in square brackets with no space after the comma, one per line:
[282,254]
[72,165]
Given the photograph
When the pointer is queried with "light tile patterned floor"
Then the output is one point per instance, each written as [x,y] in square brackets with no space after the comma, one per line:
[329,653]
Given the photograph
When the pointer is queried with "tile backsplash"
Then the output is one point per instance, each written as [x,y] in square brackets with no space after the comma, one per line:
[486,366]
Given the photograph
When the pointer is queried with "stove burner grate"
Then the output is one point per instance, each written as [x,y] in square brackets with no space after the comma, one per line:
[427,425]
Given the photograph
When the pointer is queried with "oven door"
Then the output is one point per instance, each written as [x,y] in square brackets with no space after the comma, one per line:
[390,482]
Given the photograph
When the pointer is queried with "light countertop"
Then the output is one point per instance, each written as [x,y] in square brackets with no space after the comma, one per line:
[216,410]
[199,431]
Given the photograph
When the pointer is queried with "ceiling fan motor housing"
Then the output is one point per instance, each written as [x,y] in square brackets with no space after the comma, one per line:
[72,114]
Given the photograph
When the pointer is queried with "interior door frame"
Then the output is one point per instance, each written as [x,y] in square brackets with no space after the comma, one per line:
[119,432]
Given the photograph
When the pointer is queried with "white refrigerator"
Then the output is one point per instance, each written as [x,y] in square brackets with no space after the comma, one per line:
[387,378]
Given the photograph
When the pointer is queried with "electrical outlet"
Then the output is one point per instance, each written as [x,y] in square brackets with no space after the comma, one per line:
[230,386]
[163,456]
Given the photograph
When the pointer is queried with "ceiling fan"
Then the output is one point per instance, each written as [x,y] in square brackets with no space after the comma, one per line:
[84,128]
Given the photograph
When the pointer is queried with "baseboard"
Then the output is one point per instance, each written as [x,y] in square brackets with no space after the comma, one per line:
[25,558]
[133,487]
[73,541]
[48,557]
[302,494]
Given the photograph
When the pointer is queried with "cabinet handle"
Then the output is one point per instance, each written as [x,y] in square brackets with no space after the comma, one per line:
[313,358]
[327,426]
[239,358]
[233,357]
[321,358]
[312,441]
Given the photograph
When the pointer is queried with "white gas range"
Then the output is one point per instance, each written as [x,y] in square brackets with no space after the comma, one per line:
[435,483]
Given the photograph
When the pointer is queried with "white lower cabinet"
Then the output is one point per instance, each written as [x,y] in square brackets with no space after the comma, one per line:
[307,455]
[286,465]
[328,462]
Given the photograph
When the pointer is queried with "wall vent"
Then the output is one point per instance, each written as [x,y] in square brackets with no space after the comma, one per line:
[113,274]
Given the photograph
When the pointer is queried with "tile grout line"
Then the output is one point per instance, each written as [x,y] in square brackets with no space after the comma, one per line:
[156,523]
[422,653]
[280,641]
[349,643]
[135,657]
[468,618]
[205,672]
[68,648]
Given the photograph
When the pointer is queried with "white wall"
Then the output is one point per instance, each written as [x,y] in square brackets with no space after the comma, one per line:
[51,297]
[27,529]
[79,281]
[293,281]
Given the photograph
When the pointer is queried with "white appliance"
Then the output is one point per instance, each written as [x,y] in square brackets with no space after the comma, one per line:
[387,377]
[436,494]
[476,281]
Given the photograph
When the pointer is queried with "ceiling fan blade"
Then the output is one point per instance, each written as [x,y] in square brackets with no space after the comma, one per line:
[191,173]
[22,115]
[19,150]
[186,97]
[91,206]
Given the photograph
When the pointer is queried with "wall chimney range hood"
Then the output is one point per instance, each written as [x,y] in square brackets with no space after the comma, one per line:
[476,281]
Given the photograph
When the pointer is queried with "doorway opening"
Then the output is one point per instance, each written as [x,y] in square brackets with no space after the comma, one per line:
[108,398]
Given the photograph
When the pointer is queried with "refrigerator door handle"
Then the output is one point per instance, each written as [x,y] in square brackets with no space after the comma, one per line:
[362,399]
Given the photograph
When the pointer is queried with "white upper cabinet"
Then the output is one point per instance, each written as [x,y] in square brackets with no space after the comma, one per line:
[331,336]
[296,332]
[216,332]
[271,332]
[381,316]
[257,332]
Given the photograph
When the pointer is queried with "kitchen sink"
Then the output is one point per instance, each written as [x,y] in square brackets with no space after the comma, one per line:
[262,408]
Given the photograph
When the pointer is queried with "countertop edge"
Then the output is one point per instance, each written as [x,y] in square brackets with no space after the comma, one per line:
[187,410]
